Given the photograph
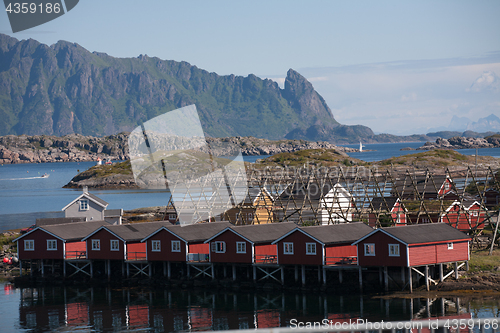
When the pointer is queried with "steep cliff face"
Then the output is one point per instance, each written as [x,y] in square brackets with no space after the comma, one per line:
[64,89]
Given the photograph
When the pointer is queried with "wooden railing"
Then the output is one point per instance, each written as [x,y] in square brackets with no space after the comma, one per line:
[198,257]
[136,256]
[75,255]
[266,259]
[349,260]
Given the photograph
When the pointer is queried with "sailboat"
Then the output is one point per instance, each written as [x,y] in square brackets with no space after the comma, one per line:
[360,147]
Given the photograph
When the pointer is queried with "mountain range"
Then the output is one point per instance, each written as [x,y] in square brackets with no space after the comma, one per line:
[64,89]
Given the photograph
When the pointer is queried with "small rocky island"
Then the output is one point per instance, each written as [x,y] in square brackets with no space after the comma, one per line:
[460,142]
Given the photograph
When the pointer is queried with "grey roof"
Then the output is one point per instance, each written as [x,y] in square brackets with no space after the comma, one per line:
[264,233]
[385,203]
[74,231]
[113,212]
[197,232]
[58,220]
[136,231]
[426,233]
[102,202]
[338,233]
[421,184]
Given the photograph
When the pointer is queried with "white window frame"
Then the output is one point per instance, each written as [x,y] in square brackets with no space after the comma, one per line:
[176,245]
[474,213]
[219,247]
[368,249]
[29,245]
[241,247]
[112,244]
[84,204]
[449,246]
[155,245]
[311,248]
[96,245]
[287,248]
[51,245]
[394,250]
[172,216]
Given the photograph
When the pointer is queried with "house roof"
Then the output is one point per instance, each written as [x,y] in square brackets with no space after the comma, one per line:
[136,231]
[113,212]
[422,233]
[89,196]
[384,203]
[70,231]
[58,220]
[198,232]
[421,184]
[264,233]
[338,233]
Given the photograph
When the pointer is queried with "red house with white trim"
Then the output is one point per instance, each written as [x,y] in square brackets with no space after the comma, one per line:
[247,244]
[388,207]
[320,245]
[177,243]
[120,242]
[414,245]
[466,216]
[61,241]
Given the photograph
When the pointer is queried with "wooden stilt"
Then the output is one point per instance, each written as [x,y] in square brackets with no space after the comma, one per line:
[128,270]
[150,271]
[410,283]
[234,272]
[456,270]
[213,272]
[324,276]
[282,275]
[164,269]
[91,269]
[427,277]
[225,271]
[109,269]
[360,273]
[296,273]
[21,269]
[380,275]
[319,274]
[386,279]
[441,272]
[254,273]
[340,276]
[169,270]
[189,271]
[303,275]
[403,278]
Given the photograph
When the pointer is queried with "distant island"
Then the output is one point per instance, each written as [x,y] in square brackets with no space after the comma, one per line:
[119,175]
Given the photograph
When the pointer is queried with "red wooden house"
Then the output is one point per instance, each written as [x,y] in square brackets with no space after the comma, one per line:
[415,245]
[465,216]
[320,245]
[177,243]
[247,244]
[61,241]
[425,187]
[120,242]
[386,210]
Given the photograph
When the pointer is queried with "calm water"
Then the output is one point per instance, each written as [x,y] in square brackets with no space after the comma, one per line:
[25,196]
[51,309]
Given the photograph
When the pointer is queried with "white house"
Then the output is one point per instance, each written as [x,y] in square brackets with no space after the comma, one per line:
[92,208]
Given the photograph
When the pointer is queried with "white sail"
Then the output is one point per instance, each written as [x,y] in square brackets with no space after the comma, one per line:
[360,147]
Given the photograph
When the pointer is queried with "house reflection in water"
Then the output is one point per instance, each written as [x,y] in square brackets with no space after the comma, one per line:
[104,309]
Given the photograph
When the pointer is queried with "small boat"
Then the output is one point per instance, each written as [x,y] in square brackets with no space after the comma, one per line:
[45,175]
[108,161]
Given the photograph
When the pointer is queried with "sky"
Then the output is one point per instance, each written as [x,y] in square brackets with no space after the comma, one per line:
[399,67]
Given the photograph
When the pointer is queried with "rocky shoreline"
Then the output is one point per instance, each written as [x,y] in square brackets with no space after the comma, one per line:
[78,148]
[460,142]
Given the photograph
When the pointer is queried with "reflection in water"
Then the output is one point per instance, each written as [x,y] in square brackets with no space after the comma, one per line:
[106,309]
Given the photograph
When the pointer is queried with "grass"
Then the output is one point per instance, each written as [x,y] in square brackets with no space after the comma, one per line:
[481,261]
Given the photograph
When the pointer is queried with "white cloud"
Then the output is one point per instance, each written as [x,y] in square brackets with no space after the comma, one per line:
[411,97]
